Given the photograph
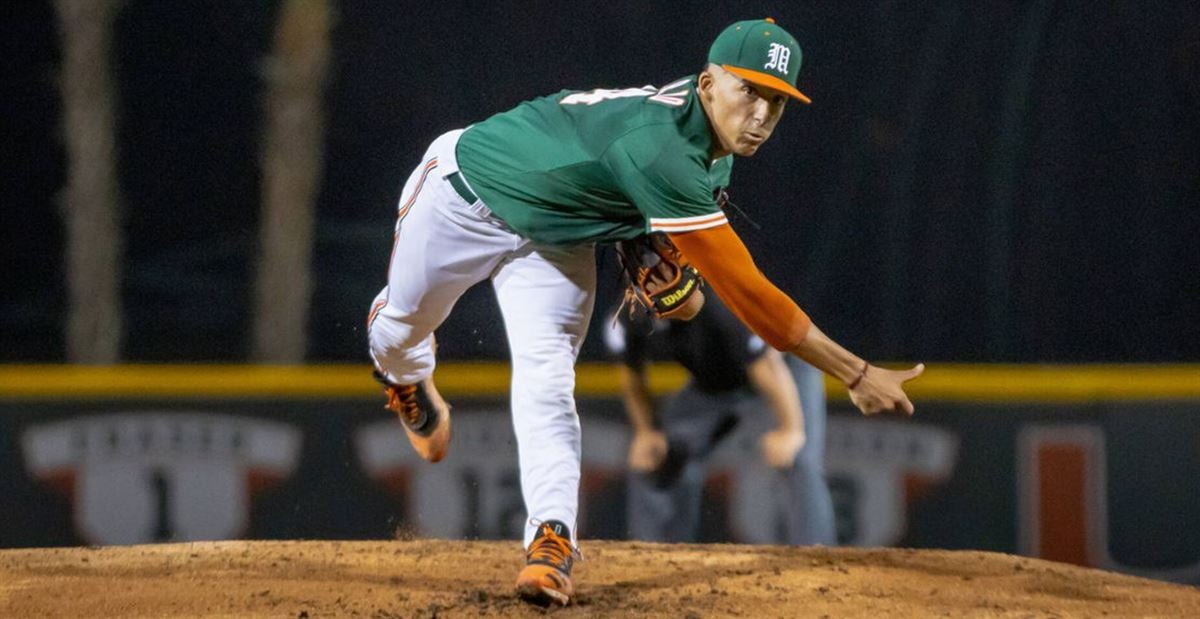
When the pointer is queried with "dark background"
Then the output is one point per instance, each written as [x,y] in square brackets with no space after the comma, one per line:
[983,181]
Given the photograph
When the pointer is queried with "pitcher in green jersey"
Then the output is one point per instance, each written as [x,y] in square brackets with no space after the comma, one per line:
[523,197]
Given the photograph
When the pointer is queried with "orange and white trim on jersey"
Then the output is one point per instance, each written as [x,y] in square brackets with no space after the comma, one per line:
[687,224]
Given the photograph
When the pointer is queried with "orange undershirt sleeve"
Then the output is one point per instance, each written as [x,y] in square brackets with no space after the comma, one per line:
[726,265]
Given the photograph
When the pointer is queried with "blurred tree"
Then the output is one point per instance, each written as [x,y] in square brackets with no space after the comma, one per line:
[292,155]
[91,202]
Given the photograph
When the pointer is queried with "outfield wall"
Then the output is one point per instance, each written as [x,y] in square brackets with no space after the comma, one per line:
[1094,465]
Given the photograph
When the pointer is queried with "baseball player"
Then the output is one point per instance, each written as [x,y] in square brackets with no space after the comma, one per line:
[523,197]
[732,373]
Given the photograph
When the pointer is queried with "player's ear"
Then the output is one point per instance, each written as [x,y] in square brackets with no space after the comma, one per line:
[705,82]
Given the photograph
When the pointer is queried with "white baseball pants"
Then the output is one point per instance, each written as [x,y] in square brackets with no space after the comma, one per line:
[443,246]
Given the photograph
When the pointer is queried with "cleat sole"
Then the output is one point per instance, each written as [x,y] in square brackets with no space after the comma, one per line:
[542,595]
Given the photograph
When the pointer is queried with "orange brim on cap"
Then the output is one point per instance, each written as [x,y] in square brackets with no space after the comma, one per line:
[765,79]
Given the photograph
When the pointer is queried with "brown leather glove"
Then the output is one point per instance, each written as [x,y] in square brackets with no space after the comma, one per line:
[658,277]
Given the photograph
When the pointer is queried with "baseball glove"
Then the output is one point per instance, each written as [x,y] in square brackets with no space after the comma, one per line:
[658,278]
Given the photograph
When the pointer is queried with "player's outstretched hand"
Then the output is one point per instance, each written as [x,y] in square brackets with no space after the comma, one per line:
[882,390]
[647,450]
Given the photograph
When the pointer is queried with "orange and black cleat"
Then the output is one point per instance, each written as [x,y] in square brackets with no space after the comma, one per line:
[546,578]
[426,419]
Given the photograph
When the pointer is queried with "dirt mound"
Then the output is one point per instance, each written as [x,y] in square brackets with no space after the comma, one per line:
[455,579]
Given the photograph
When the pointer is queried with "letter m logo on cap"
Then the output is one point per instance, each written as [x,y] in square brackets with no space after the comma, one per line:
[777,58]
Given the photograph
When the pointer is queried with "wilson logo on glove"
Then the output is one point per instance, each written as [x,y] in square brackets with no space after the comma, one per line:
[658,278]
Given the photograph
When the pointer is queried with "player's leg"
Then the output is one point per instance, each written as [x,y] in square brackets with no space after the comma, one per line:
[437,253]
[440,248]
[811,505]
[546,296]
[664,505]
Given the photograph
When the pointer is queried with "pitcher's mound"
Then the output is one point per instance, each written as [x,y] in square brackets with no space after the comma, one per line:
[619,579]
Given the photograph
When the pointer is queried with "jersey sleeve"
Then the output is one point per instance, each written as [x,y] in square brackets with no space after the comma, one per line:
[726,264]
[672,190]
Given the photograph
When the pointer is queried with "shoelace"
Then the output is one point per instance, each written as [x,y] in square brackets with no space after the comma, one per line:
[403,400]
[551,547]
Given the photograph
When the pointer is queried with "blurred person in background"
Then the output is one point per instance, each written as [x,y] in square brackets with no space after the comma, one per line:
[733,375]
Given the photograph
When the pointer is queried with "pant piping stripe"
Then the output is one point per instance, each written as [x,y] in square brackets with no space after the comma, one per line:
[396,237]
[375,312]
[420,184]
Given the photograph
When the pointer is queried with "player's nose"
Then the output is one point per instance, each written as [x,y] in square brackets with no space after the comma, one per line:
[761,111]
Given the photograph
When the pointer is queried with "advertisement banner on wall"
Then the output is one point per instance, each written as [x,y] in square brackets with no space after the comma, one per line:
[1111,486]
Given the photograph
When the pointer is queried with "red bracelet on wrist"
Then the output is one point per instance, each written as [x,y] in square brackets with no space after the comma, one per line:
[858,379]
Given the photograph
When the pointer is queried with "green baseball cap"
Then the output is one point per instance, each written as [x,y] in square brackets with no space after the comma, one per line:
[761,52]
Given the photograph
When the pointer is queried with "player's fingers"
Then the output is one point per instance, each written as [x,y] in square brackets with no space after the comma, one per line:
[640,460]
[906,406]
[646,464]
[660,274]
[916,371]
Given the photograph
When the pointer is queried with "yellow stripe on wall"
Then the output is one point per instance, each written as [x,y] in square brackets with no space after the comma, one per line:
[1056,383]
[941,382]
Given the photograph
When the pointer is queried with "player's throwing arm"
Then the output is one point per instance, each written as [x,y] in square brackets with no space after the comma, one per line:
[872,389]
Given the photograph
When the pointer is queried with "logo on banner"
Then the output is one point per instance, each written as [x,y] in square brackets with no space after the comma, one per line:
[163,476]
[875,469]
[475,493]
[1063,500]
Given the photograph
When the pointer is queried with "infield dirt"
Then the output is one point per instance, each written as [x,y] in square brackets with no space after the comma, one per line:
[430,578]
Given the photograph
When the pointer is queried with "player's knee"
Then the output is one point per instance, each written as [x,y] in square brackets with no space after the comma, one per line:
[553,391]
[399,347]
[389,334]
[548,382]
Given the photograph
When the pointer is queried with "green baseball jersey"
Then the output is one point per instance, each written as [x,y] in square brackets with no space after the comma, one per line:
[600,165]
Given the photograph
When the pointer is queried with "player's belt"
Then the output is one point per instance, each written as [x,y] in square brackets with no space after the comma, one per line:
[460,187]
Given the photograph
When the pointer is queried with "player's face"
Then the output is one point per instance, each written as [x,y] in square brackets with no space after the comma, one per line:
[742,114]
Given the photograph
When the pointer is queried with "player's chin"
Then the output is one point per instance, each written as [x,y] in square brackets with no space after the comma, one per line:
[747,148]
